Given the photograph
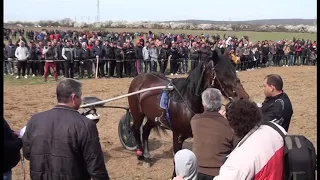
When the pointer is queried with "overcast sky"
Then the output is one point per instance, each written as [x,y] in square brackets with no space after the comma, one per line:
[158,10]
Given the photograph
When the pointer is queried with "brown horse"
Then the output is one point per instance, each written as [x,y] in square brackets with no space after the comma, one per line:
[183,102]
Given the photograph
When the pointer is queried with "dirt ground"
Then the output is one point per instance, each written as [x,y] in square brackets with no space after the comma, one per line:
[22,101]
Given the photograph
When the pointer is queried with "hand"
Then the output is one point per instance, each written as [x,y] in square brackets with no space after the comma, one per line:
[222,112]
[16,133]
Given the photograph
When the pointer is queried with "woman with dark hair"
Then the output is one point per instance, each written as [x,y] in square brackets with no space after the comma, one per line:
[259,154]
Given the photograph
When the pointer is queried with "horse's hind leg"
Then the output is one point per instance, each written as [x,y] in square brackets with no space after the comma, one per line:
[137,122]
[145,138]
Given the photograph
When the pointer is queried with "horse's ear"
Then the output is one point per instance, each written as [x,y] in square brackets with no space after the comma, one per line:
[215,57]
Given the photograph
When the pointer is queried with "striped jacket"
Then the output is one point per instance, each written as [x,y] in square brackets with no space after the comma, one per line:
[259,155]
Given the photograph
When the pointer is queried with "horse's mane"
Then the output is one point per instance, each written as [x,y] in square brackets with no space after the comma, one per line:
[159,75]
[190,83]
[225,68]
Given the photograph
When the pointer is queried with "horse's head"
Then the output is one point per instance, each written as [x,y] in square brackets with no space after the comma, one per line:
[221,74]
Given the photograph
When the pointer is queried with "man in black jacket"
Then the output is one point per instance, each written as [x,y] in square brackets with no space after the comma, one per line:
[33,51]
[50,54]
[84,56]
[119,56]
[110,58]
[175,55]
[11,150]
[61,143]
[99,52]
[129,57]
[68,56]
[163,58]
[138,56]
[59,63]
[277,106]
[10,50]
[194,55]
[204,52]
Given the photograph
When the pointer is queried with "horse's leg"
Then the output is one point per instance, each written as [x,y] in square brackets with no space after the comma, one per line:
[177,146]
[145,139]
[137,122]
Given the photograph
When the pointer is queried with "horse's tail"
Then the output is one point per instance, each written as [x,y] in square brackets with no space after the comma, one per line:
[157,129]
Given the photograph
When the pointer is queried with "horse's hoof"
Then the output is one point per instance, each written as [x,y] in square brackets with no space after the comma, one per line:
[146,164]
[140,158]
[147,156]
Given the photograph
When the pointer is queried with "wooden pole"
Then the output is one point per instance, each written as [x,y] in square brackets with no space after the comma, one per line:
[129,94]
[97,66]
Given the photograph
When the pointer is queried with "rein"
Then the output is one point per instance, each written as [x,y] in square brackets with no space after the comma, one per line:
[199,83]
[220,84]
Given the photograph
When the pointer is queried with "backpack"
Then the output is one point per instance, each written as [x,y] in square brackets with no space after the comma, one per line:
[299,156]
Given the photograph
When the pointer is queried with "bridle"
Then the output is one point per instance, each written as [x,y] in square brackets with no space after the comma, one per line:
[214,74]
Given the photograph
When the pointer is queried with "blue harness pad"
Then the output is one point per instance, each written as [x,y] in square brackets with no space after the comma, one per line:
[164,100]
[164,104]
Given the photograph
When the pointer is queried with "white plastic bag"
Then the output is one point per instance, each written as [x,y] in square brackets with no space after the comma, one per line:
[22,131]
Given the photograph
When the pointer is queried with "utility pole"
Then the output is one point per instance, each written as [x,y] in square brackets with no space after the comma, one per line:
[98,18]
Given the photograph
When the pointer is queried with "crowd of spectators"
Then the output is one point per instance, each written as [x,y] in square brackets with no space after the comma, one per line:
[82,53]
[235,149]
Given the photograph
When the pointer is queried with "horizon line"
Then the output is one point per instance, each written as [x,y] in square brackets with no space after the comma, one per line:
[174,20]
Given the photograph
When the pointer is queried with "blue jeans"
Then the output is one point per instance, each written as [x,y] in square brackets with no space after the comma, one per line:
[291,60]
[7,175]
[154,66]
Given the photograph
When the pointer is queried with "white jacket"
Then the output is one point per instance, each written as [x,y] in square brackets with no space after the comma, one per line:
[22,53]
[257,156]
[145,53]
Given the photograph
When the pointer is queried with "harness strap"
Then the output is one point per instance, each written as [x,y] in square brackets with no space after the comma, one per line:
[175,88]
[167,109]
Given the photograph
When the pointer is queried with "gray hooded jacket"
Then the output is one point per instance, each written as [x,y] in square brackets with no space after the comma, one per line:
[186,164]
